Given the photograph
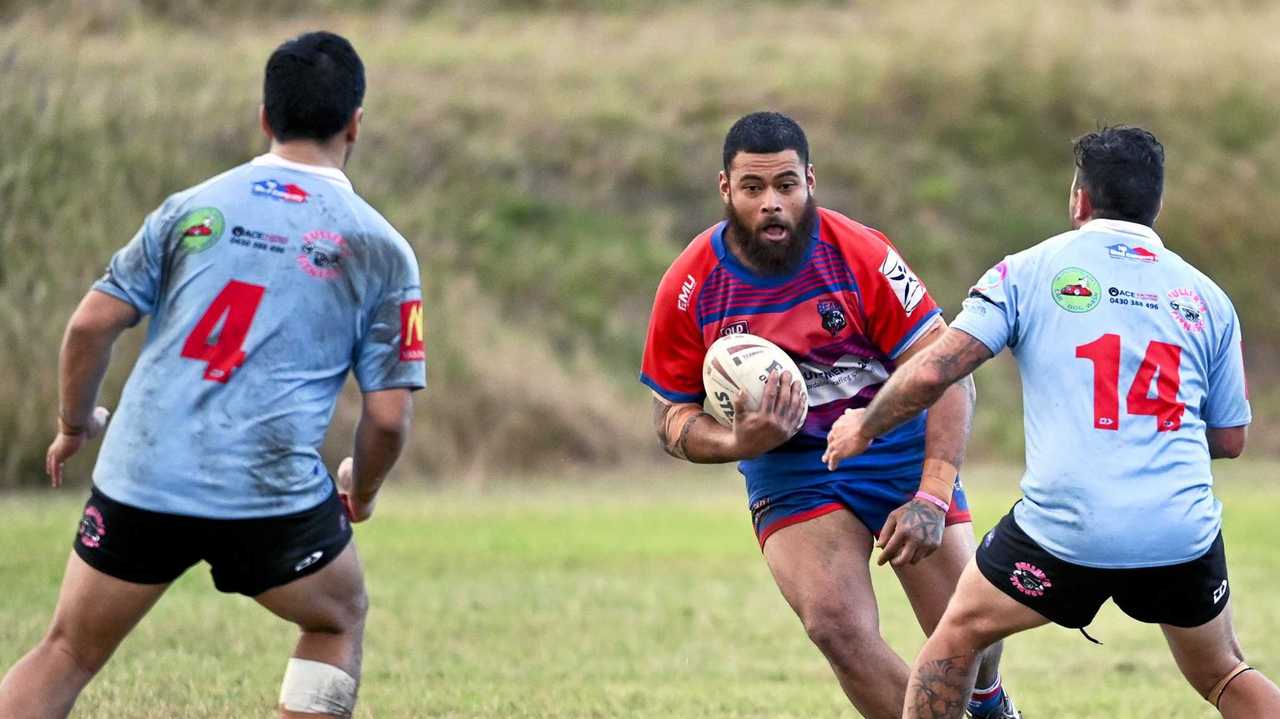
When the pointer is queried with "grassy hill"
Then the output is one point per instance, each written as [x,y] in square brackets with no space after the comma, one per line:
[548,159]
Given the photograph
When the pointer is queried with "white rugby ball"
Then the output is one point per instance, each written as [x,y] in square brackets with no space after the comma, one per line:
[743,361]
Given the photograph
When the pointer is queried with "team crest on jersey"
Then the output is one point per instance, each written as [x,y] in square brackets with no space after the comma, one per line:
[832,315]
[1121,251]
[1188,309]
[92,528]
[198,230]
[734,328]
[906,286]
[284,192]
[1030,579]
[322,254]
[1076,290]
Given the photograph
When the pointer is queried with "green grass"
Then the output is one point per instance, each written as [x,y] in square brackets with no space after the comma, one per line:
[641,595]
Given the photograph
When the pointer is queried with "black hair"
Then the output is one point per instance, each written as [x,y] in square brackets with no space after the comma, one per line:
[765,132]
[313,85]
[1122,169]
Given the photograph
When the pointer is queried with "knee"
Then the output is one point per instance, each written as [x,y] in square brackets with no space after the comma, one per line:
[79,650]
[838,630]
[1206,677]
[966,632]
[343,616]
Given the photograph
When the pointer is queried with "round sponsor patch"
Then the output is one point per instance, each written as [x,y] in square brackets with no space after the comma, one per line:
[322,254]
[1188,309]
[992,278]
[1029,579]
[199,229]
[1075,290]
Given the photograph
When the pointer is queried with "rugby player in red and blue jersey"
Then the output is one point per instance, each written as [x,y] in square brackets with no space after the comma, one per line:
[840,300]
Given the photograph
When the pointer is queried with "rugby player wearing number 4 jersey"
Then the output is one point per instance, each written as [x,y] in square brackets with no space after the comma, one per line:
[837,297]
[265,286]
[1127,354]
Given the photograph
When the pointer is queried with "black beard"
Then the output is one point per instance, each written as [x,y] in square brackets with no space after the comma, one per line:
[767,257]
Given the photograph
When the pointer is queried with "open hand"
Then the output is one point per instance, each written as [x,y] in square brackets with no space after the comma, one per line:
[66,444]
[911,533]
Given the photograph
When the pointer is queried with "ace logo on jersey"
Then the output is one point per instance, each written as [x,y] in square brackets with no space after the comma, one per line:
[412,346]
[906,286]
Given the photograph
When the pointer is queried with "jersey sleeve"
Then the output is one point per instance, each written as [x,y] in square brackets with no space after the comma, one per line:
[673,349]
[990,312]
[897,306]
[391,352]
[1227,402]
[135,272]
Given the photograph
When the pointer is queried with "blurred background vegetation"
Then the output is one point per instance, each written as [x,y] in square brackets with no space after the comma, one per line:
[549,158]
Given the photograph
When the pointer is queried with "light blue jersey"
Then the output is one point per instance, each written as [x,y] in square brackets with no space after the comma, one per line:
[265,285]
[1127,354]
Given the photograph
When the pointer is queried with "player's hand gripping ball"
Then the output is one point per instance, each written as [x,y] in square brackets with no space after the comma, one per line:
[744,361]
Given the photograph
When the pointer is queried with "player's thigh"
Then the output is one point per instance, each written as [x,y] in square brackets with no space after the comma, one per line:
[332,599]
[821,566]
[96,611]
[1206,653]
[979,615]
[930,582]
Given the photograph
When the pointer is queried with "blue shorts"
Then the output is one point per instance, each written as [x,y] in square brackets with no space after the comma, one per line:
[870,499]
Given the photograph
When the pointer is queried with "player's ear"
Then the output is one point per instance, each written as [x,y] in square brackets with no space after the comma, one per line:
[810,179]
[264,123]
[1083,206]
[724,186]
[353,127]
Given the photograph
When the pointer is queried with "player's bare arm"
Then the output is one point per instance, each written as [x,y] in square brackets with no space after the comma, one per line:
[1226,442]
[916,385]
[914,530]
[380,435]
[82,363]
[686,432]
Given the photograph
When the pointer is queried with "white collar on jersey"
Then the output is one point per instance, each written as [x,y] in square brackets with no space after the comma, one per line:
[1124,228]
[332,174]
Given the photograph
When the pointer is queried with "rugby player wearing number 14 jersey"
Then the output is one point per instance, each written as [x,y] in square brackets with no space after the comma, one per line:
[838,298]
[265,286]
[1133,380]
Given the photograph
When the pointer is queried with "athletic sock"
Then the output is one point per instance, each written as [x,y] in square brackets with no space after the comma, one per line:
[985,702]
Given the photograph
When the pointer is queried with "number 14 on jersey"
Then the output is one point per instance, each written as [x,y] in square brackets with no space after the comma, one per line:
[1161,363]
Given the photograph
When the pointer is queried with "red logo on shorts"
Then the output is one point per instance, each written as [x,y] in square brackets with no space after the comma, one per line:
[1029,579]
[92,528]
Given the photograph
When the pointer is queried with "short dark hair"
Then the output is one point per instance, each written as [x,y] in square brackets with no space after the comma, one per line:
[1122,169]
[313,85]
[765,132]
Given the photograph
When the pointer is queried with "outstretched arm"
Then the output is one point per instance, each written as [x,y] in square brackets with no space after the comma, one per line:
[82,363]
[914,386]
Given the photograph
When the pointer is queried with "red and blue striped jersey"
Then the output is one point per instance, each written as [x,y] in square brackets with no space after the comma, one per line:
[849,311]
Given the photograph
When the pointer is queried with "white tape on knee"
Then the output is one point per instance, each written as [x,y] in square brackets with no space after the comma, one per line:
[317,688]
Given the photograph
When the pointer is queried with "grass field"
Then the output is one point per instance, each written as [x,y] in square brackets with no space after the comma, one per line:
[642,595]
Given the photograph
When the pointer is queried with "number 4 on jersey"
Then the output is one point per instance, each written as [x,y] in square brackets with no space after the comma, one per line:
[1161,357]
[238,301]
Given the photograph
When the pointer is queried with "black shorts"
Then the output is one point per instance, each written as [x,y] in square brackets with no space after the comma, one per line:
[1183,595]
[246,556]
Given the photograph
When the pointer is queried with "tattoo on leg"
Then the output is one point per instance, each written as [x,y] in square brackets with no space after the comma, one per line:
[941,688]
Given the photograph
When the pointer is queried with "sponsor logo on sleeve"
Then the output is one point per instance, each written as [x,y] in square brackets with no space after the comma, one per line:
[993,278]
[1188,309]
[322,254]
[200,229]
[1121,251]
[686,293]
[906,286]
[412,344]
[284,192]
[1076,290]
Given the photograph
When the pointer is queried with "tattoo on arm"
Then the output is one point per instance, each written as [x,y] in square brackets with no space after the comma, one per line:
[921,381]
[673,423]
[940,690]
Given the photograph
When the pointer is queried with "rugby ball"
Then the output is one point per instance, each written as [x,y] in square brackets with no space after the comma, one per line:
[743,361]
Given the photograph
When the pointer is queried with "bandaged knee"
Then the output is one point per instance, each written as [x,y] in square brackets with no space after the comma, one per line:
[1215,694]
[317,688]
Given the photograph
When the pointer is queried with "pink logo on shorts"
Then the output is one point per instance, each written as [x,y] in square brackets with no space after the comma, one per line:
[92,528]
[1029,579]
